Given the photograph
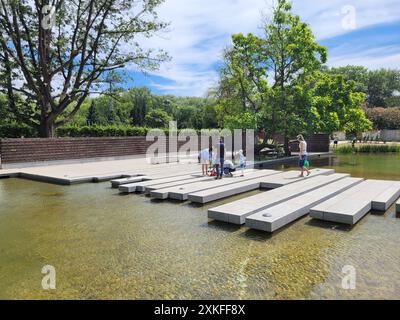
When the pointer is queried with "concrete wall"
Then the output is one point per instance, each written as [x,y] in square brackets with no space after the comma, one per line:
[31,151]
[315,143]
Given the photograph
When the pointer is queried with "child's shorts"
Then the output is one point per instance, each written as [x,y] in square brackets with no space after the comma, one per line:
[302,161]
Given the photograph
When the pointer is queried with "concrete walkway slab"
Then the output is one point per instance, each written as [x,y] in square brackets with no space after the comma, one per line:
[118,182]
[279,179]
[276,217]
[182,192]
[141,186]
[353,204]
[289,177]
[384,200]
[237,211]
[209,195]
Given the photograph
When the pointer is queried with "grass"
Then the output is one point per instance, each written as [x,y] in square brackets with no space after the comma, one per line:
[368,148]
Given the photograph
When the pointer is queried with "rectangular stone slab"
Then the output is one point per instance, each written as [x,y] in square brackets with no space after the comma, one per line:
[353,204]
[292,177]
[118,182]
[141,186]
[181,191]
[276,217]
[206,196]
[384,200]
[237,211]
[213,194]
[161,191]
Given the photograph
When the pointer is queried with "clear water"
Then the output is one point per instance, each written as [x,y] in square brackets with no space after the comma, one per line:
[107,246]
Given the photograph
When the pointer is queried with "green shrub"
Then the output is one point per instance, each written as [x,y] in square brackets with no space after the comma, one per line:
[15,130]
[368,148]
[112,131]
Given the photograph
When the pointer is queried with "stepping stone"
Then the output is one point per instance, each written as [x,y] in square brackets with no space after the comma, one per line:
[141,186]
[353,204]
[181,192]
[279,179]
[118,182]
[276,217]
[237,211]
[213,194]
[292,177]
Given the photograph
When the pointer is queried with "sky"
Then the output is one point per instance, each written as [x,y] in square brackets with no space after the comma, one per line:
[356,32]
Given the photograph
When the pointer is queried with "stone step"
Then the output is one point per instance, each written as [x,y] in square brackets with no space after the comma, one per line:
[141,186]
[276,217]
[353,204]
[237,211]
[292,177]
[181,192]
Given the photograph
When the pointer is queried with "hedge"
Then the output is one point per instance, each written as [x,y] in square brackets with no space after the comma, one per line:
[368,148]
[15,130]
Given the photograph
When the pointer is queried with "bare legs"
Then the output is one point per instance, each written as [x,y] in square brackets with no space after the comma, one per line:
[204,169]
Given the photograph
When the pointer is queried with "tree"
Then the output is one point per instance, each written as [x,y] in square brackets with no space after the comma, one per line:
[337,105]
[293,54]
[157,118]
[382,85]
[288,53]
[92,115]
[358,74]
[141,98]
[55,53]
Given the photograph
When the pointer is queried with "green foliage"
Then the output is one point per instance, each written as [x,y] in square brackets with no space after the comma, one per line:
[380,86]
[157,118]
[245,120]
[368,148]
[289,51]
[384,118]
[101,131]
[15,130]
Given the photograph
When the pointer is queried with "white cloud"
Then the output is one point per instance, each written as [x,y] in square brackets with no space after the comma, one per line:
[201,29]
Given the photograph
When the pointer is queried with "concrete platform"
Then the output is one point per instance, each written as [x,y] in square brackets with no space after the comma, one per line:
[353,204]
[279,179]
[182,192]
[88,171]
[276,217]
[118,182]
[292,177]
[141,186]
[237,211]
[214,194]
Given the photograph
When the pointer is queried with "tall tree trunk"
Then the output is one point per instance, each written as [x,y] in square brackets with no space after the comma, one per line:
[47,128]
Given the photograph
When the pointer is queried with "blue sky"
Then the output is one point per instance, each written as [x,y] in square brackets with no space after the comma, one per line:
[361,32]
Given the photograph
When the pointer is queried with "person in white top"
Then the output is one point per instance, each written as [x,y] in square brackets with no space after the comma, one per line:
[303,155]
[205,157]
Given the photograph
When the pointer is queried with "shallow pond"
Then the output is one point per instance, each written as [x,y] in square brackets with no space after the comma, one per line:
[107,246]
